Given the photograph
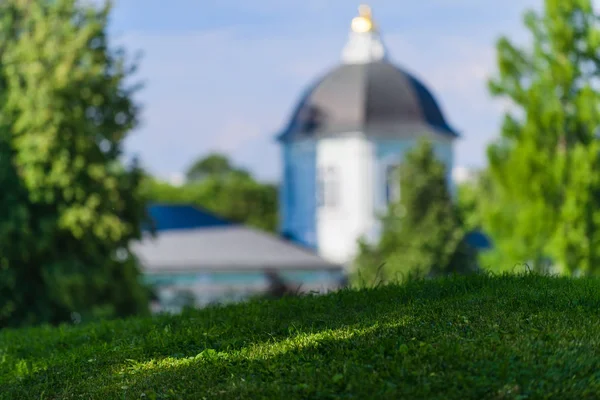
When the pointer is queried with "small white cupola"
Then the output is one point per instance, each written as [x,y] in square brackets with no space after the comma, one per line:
[364,42]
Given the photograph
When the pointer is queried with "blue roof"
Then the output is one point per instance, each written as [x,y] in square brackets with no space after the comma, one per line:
[166,217]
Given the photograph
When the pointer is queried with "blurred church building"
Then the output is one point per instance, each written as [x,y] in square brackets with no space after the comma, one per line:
[345,138]
[349,132]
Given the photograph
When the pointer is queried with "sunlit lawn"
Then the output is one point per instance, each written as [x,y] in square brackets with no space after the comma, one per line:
[478,337]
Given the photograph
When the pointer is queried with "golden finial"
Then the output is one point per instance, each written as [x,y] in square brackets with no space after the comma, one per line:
[364,11]
[364,22]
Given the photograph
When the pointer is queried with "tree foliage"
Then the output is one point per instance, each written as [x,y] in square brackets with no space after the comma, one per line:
[69,208]
[214,165]
[229,192]
[468,197]
[422,232]
[544,196]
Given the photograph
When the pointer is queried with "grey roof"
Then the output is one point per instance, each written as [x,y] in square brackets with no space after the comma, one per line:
[372,98]
[233,247]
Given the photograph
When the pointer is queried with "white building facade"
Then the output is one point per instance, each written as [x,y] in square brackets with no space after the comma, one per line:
[349,132]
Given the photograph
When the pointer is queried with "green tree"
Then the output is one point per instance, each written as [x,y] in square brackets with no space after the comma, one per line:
[215,165]
[69,207]
[469,195]
[239,198]
[544,197]
[235,195]
[422,233]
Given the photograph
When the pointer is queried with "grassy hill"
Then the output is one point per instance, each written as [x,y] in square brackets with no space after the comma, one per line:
[482,337]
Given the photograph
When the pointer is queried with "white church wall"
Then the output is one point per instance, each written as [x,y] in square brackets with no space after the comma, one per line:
[343,215]
[297,192]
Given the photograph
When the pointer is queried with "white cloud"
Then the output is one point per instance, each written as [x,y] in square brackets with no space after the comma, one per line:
[176,179]
[236,132]
[463,174]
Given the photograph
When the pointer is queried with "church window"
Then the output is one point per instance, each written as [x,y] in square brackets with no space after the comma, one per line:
[328,187]
[332,188]
[392,184]
[320,188]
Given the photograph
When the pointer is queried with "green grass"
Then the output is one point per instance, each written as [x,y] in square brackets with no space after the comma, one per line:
[481,337]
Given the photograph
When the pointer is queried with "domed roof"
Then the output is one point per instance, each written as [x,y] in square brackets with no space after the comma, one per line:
[376,98]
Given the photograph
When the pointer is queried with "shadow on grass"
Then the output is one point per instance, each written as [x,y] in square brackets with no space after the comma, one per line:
[385,342]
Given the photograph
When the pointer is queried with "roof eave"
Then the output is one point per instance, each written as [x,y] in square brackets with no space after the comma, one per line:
[218,268]
[281,137]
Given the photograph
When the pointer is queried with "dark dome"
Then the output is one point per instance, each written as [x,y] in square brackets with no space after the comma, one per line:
[375,98]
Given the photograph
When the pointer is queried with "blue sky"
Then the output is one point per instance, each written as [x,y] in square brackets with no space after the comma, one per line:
[225,75]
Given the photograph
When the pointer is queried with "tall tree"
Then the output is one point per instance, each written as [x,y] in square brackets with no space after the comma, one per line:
[545,190]
[70,208]
[422,232]
[468,198]
[214,165]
